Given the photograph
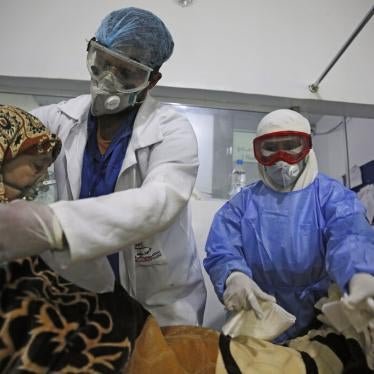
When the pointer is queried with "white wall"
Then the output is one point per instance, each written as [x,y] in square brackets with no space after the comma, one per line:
[26,102]
[330,149]
[267,47]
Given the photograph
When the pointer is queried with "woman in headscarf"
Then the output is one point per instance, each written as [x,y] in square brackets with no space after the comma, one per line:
[48,324]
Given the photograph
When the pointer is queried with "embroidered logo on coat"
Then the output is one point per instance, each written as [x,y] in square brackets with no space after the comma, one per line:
[145,254]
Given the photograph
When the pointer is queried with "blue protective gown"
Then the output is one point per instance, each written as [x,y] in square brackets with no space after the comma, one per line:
[293,245]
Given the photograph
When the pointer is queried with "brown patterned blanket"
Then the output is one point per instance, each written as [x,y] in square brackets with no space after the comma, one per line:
[49,325]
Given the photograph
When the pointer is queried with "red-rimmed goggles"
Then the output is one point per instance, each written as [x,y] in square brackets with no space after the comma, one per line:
[288,146]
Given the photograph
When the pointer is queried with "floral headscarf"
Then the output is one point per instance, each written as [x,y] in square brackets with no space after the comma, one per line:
[21,132]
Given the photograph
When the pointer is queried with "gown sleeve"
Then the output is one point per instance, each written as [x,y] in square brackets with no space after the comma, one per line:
[349,237]
[224,245]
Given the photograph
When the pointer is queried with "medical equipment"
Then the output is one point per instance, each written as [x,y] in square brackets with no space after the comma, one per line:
[238,178]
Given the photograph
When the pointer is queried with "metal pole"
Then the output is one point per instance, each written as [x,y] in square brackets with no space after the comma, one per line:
[348,171]
[315,86]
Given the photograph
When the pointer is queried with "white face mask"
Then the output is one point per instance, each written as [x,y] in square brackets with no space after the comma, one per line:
[105,100]
[284,174]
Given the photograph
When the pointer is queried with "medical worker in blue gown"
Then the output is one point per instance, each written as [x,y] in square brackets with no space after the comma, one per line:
[291,234]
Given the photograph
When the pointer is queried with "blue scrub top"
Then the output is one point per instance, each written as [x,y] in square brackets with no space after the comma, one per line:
[293,245]
[100,172]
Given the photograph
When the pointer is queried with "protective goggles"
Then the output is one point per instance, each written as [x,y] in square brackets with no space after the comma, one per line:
[128,75]
[288,146]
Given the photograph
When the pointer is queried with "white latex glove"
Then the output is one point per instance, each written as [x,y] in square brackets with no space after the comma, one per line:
[361,287]
[243,293]
[27,229]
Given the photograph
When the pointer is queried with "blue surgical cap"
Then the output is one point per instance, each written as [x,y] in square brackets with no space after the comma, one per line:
[137,33]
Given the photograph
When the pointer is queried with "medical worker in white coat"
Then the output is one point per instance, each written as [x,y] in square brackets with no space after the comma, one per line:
[124,177]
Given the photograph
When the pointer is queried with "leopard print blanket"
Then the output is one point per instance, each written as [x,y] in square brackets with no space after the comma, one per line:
[49,325]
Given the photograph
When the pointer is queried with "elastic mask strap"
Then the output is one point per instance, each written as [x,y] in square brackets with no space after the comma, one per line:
[133,98]
[89,42]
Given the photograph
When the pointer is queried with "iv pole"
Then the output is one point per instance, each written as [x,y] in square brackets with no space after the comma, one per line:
[315,86]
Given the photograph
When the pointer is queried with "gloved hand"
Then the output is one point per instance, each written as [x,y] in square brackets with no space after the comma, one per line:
[243,293]
[27,229]
[361,287]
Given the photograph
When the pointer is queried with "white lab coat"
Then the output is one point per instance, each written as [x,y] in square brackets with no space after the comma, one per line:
[146,219]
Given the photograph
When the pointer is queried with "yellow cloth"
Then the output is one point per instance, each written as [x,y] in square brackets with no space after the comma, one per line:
[174,350]
[258,356]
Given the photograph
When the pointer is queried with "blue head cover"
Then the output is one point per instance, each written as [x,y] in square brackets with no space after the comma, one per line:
[138,34]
